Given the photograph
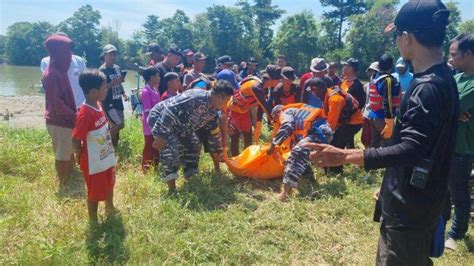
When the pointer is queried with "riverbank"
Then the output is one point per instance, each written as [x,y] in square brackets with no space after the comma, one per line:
[23,111]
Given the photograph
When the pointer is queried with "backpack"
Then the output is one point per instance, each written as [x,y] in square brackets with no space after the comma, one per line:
[350,107]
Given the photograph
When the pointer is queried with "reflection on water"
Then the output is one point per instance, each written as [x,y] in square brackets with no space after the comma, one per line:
[25,80]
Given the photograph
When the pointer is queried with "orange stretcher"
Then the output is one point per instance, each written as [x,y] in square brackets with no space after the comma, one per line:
[255,163]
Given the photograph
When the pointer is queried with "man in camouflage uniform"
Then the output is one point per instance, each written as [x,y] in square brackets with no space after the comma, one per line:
[174,123]
[307,125]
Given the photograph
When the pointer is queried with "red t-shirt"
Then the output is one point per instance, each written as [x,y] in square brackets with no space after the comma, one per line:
[88,119]
[303,80]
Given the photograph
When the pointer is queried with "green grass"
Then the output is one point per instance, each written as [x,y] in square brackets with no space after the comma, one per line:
[214,219]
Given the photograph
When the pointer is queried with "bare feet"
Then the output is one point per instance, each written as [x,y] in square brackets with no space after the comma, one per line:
[283,196]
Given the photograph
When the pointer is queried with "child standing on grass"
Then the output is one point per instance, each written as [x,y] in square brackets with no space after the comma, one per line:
[93,144]
[150,95]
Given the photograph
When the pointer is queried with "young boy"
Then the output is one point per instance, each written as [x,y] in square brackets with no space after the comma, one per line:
[93,145]
[150,96]
[173,85]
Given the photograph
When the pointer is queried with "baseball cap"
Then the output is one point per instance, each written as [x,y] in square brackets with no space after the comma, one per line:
[108,48]
[318,65]
[174,49]
[154,48]
[288,73]
[272,72]
[373,66]
[354,63]
[228,75]
[188,52]
[252,60]
[225,59]
[420,15]
[199,56]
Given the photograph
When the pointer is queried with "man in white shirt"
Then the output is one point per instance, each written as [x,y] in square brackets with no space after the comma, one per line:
[78,64]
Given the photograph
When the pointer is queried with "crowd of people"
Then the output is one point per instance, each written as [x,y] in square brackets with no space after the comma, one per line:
[407,114]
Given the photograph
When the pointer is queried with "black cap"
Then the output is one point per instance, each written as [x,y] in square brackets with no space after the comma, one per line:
[252,60]
[174,49]
[199,56]
[188,52]
[421,15]
[354,63]
[225,59]
[288,73]
[154,48]
[385,62]
[272,72]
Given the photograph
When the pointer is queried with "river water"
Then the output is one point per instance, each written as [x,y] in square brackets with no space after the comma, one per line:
[25,80]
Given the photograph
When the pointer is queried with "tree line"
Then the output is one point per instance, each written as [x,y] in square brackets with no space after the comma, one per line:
[351,28]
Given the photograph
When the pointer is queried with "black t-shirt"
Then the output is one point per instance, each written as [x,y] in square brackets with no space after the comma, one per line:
[429,108]
[357,91]
[114,94]
[163,70]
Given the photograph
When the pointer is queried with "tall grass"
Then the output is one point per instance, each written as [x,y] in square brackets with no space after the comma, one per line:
[213,219]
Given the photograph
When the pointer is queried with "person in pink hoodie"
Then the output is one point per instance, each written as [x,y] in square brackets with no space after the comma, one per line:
[60,113]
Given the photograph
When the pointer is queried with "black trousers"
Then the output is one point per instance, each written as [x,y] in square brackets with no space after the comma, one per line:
[343,138]
[404,246]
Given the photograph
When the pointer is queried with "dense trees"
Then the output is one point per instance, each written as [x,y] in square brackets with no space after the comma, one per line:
[347,28]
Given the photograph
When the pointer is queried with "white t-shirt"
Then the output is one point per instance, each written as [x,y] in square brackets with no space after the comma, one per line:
[78,64]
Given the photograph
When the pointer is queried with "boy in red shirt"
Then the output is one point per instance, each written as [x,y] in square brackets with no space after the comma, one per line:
[93,144]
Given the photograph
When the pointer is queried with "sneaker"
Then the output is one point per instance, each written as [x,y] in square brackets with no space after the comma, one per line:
[450,243]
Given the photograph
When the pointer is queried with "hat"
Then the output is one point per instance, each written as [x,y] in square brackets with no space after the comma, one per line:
[229,75]
[199,56]
[154,48]
[252,60]
[401,63]
[420,15]
[174,49]
[288,73]
[188,52]
[108,48]
[318,65]
[354,63]
[225,59]
[373,66]
[272,72]
[385,62]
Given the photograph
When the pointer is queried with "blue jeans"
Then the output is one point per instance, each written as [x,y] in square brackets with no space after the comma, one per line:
[458,184]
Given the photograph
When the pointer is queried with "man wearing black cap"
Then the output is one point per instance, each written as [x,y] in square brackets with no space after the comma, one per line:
[156,54]
[223,62]
[286,92]
[384,100]
[250,69]
[417,157]
[169,63]
[196,73]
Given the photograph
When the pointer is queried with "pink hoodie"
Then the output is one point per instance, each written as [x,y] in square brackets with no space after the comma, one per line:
[60,105]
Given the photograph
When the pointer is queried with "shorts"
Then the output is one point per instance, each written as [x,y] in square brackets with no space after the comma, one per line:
[62,142]
[99,185]
[240,123]
[115,116]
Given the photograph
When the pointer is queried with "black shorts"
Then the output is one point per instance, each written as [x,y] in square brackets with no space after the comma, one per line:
[203,136]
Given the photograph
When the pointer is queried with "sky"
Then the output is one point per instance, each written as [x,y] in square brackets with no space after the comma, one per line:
[128,15]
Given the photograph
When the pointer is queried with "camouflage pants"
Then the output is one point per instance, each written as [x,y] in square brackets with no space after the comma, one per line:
[181,149]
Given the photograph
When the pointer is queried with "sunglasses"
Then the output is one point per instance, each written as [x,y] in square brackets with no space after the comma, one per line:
[397,33]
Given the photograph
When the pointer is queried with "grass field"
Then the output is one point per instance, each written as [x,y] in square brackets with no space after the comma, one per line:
[214,219]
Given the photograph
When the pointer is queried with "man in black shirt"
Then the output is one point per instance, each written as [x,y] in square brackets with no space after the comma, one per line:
[422,143]
[113,105]
[172,59]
